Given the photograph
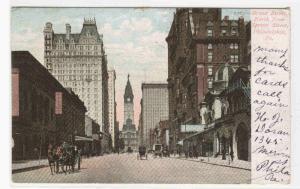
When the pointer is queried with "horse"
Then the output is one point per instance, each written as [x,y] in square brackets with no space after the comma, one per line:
[51,159]
[66,160]
[60,159]
[70,161]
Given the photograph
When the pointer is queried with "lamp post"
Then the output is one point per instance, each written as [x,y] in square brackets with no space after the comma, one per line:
[100,138]
[207,148]
[41,145]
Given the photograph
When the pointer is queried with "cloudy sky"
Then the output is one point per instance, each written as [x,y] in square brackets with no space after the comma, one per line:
[134,40]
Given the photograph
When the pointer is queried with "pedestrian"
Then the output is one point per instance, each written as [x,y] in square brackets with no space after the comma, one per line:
[79,157]
[231,155]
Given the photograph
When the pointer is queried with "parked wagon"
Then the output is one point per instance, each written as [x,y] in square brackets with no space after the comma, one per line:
[157,150]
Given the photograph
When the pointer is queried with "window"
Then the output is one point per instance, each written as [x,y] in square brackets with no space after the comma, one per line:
[231,58]
[209,46]
[234,58]
[209,32]
[210,83]
[236,46]
[210,71]
[224,31]
[233,31]
[209,57]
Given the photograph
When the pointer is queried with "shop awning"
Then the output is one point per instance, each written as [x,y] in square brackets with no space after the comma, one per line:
[81,138]
[198,133]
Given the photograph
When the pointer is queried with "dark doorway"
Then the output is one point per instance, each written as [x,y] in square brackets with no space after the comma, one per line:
[242,136]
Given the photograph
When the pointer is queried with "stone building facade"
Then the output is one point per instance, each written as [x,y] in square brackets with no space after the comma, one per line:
[199,42]
[129,132]
[112,105]
[227,119]
[140,126]
[154,108]
[43,111]
[78,61]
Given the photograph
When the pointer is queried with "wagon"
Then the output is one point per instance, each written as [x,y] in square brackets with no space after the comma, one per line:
[142,153]
[157,150]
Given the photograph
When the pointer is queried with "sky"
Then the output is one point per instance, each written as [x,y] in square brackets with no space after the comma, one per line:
[134,40]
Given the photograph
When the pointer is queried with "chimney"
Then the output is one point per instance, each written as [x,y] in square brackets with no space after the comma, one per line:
[68,31]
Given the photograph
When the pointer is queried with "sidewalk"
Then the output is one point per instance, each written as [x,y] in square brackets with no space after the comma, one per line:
[25,165]
[239,164]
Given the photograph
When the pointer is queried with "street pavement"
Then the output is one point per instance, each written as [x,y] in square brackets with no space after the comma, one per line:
[125,168]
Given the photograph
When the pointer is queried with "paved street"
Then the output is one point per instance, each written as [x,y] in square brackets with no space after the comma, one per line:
[125,168]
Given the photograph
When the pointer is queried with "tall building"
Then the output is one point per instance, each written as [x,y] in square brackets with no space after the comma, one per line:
[199,43]
[112,104]
[129,133]
[78,61]
[140,126]
[154,107]
[128,102]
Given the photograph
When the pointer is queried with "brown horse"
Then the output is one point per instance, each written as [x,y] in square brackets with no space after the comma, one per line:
[51,159]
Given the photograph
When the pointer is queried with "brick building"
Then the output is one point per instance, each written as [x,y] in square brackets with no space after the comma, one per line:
[227,119]
[199,42]
[43,111]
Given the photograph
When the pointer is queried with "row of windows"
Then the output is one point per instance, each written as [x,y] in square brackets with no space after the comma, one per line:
[75,71]
[233,58]
[90,61]
[79,47]
[76,65]
[232,46]
[71,53]
[83,41]
[224,31]
[87,41]
[77,78]
[78,83]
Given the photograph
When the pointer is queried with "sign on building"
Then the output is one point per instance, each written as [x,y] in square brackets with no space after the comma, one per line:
[58,102]
[191,128]
[15,94]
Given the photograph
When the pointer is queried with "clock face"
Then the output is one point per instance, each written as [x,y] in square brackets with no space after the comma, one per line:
[128,99]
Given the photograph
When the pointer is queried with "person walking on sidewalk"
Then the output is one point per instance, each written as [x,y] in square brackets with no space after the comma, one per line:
[78,154]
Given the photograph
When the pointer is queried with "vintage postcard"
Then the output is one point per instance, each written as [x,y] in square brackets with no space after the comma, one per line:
[150,95]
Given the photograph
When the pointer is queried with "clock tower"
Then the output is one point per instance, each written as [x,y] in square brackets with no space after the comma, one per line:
[128,102]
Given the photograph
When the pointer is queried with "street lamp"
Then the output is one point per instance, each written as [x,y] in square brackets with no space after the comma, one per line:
[100,138]
[203,141]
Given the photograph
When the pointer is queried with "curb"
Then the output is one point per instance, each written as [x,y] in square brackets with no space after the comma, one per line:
[28,169]
[235,167]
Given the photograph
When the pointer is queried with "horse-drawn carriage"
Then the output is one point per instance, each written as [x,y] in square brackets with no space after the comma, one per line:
[64,157]
[142,153]
[165,152]
[157,150]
